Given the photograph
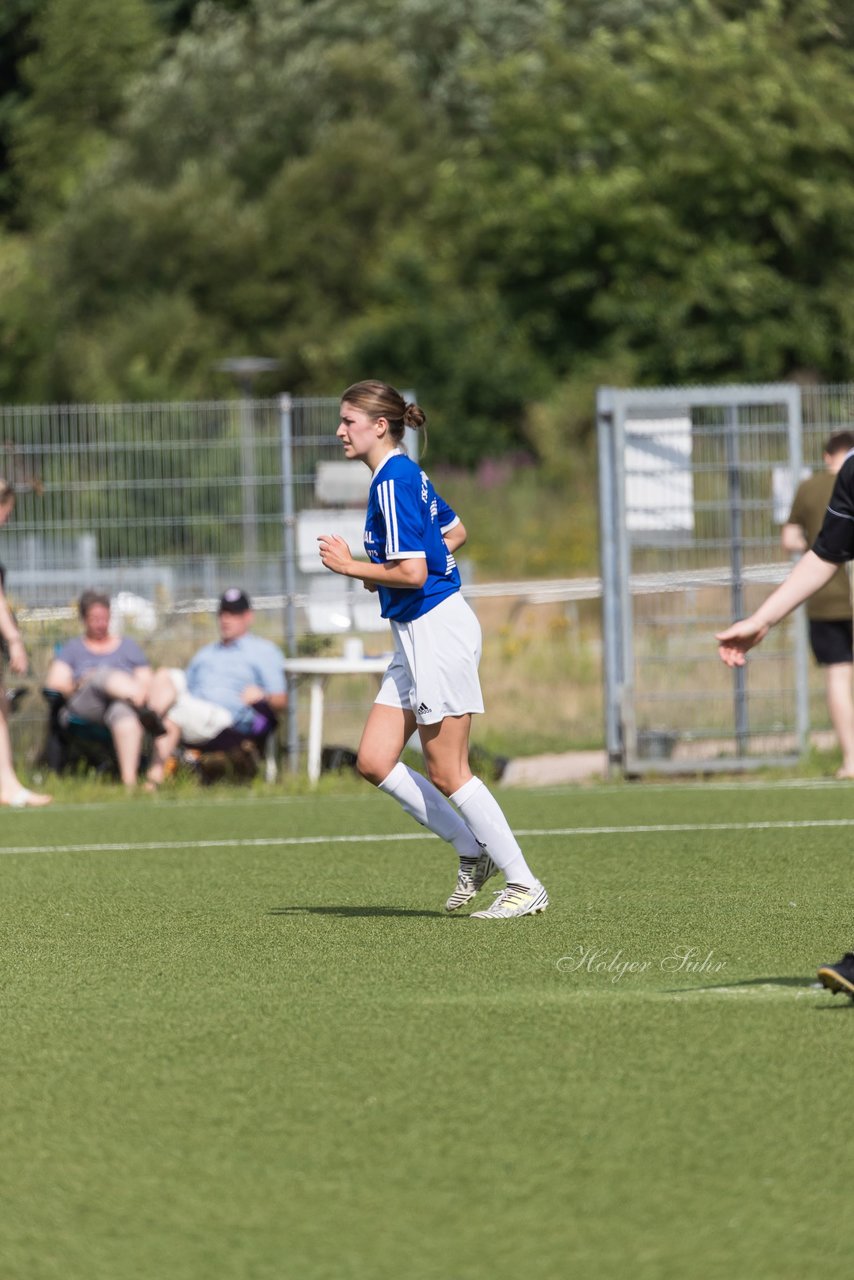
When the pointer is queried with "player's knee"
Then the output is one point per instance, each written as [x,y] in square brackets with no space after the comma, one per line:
[372,768]
[442,778]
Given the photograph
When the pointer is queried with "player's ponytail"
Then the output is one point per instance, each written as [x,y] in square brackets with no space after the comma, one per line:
[414,416]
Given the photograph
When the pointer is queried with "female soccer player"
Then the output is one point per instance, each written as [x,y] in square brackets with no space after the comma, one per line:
[12,793]
[432,681]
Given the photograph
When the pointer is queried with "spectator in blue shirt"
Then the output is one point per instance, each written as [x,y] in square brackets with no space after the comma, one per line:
[233,684]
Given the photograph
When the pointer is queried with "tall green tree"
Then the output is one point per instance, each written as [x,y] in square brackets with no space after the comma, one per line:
[17,41]
[684,195]
[86,52]
[487,201]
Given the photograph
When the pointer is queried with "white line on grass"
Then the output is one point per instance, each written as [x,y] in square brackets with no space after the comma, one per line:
[263,842]
[683,785]
[255,800]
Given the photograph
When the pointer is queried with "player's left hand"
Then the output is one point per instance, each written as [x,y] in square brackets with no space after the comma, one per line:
[18,661]
[334,553]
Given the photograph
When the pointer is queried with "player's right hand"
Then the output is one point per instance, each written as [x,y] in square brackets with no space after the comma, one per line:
[734,643]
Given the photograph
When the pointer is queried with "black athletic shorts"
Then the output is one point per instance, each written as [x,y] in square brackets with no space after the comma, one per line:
[831,640]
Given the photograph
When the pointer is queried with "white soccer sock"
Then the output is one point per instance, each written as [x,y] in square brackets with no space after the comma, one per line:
[484,816]
[426,804]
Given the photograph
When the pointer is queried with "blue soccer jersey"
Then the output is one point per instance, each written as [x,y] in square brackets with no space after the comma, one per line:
[406,519]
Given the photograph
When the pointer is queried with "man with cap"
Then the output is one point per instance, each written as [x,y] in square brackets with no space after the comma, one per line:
[231,691]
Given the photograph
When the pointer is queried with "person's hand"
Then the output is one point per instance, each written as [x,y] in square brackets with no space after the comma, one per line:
[734,643]
[252,693]
[18,661]
[369,586]
[334,553]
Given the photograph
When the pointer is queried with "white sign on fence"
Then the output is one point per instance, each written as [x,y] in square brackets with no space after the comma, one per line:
[659,481]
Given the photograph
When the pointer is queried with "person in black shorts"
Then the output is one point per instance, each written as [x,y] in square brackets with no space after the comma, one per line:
[829,610]
[833,546]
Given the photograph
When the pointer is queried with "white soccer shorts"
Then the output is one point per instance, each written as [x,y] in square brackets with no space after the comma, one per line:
[434,668]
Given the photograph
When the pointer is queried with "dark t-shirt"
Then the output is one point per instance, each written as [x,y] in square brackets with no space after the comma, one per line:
[835,541]
[809,509]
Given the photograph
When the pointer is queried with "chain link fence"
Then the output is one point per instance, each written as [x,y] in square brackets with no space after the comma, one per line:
[165,505]
[695,484]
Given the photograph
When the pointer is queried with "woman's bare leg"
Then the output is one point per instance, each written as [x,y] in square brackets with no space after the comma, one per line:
[11,790]
[386,733]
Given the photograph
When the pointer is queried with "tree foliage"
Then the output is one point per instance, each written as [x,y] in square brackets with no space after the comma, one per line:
[75,93]
[496,204]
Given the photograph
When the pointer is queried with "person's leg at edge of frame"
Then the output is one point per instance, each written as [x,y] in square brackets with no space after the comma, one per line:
[840,704]
[12,793]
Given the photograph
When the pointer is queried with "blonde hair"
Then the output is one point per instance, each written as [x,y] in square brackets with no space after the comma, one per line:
[379,400]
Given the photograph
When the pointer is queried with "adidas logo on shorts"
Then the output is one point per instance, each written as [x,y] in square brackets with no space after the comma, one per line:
[424,710]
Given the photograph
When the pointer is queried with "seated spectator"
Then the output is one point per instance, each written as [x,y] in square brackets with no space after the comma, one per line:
[105,679]
[231,692]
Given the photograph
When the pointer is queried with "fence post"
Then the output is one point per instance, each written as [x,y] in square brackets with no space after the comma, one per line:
[799,622]
[611,622]
[248,466]
[736,568]
[289,567]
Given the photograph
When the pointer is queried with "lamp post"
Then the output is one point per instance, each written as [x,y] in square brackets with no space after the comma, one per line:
[245,370]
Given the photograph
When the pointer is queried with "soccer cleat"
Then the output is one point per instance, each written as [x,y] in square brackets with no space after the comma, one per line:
[839,977]
[514,901]
[470,882]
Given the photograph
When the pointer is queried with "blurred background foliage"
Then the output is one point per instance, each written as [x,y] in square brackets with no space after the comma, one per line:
[499,204]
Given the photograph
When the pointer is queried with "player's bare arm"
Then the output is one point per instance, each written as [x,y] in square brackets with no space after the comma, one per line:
[456,537]
[808,576]
[336,555]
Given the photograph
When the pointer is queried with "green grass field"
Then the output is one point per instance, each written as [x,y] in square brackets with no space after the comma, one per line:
[241,1040]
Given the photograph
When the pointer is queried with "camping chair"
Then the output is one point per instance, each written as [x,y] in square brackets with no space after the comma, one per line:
[71,741]
[233,753]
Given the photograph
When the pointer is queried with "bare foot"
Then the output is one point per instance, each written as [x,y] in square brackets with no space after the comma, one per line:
[24,799]
[844,773]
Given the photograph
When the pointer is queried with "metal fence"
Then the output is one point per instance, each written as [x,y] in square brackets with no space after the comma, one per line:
[182,496]
[165,505]
[161,504]
[695,483]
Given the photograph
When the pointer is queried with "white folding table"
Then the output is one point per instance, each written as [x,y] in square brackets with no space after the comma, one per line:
[318,671]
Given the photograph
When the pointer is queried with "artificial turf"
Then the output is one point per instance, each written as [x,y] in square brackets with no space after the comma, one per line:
[228,1055]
